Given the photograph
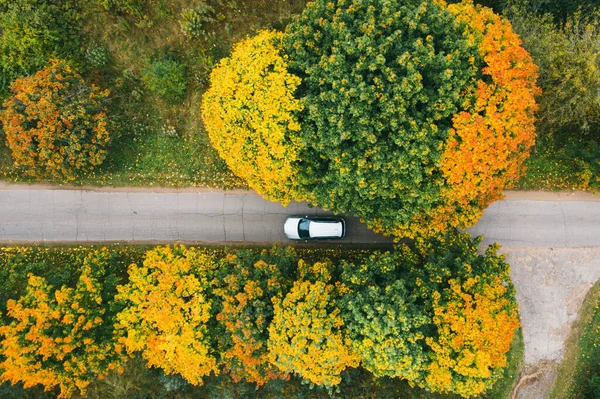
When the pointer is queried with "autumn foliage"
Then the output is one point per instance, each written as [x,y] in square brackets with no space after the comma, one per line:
[55,125]
[61,336]
[307,335]
[250,114]
[490,139]
[476,322]
[436,314]
[249,286]
[413,115]
[470,301]
[167,312]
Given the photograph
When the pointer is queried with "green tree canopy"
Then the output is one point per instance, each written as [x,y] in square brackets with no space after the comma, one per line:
[438,314]
[413,115]
[569,59]
[381,81]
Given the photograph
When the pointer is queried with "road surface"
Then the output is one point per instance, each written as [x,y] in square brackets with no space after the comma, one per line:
[41,214]
[51,215]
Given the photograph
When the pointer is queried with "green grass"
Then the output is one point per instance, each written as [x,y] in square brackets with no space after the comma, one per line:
[569,163]
[157,143]
[545,172]
[580,365]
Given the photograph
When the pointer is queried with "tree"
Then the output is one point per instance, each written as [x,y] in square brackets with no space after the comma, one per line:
[306,336]
[55,125]
[62,337]
[380,82]
[438,314]
[394,92]
[471,301]
[385,323]
[168,310]
[491,137]
[251,283]
[413,115]
[561,10]
[249,112]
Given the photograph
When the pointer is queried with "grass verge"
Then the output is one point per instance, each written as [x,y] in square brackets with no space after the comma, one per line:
[554,165]
[578,374]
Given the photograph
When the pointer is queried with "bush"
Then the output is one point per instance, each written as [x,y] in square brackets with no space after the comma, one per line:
[437,315]
[192,21]
[96,55]
[55,125]
[33,31]
[385,323]
[569,61]
[167,79]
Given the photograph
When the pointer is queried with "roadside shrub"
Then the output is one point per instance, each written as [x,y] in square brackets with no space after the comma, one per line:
[385,322]
[568,56]
[472,303]
[55,125]
[399,117]
[34,31]
[492,136]
[437,315]
[167,79]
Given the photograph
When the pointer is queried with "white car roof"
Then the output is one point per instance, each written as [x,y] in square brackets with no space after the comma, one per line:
[325,229]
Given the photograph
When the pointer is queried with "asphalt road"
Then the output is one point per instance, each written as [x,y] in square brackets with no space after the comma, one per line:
[50,215]
[541,223]
[66,215]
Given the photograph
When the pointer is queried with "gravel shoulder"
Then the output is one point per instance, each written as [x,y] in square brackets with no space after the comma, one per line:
[551,285]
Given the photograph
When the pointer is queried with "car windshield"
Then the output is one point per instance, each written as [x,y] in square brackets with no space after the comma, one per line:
[303,228]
